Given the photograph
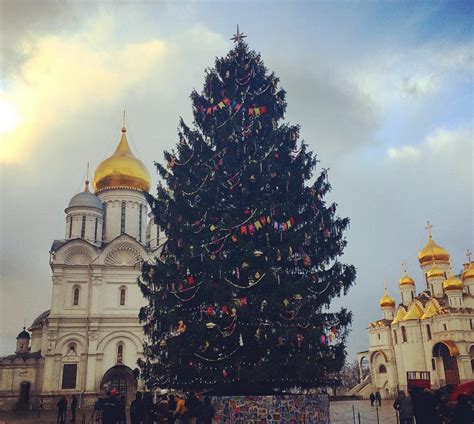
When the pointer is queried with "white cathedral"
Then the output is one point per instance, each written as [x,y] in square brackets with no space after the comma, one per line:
[427,340]
[90,339]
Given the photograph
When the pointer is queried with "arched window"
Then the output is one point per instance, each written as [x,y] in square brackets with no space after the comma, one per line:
[83,227]
[75,295]
[95,229]
[140,223]
[119,353]
[395,341]
[404,334]
[104,220]
[428,331]
[382,369]
[123,292]
[70,227]
[122,219]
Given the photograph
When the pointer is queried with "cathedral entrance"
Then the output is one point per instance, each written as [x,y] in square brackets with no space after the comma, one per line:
[25,393]
[120,378]
[445,352]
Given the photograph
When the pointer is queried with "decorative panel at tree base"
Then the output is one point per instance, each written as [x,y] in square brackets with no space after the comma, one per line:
[281,409]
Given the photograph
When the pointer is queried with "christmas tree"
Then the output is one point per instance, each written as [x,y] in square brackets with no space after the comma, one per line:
[239,295]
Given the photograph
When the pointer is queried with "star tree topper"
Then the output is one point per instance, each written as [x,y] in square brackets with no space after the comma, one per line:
[238,37]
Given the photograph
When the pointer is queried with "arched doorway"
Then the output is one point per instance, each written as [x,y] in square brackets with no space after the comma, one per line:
[120,378]
[25,387]
[446,353]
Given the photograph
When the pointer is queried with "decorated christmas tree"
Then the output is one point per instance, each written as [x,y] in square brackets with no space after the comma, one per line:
[239,292]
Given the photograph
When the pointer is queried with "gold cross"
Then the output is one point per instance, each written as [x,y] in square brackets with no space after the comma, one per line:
[428,227]
[385,286]
[468,255]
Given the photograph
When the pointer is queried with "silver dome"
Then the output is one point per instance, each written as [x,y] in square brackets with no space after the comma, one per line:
[85,199]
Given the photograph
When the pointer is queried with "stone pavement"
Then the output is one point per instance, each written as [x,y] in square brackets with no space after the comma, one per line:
[340,411]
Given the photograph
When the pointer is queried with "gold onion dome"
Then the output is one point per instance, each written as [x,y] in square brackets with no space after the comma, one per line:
[453,283]
[406,280]
[387,301]
[468,272]
[435,272]
[432,252]
[122,170]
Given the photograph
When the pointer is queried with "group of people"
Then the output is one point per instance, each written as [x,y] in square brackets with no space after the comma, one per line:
[168,408]
[375,397]
[432,407]
[62,409]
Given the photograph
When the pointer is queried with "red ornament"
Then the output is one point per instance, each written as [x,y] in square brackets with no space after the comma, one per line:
[224,373]
[190,280]
[234,238]
[243,301]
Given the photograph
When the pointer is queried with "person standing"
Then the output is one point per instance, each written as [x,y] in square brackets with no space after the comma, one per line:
[171,409]
[137,410]
[73,408]
[378,398]
[122,408]
[206,413]
[62,410]
[110,408]
[180,412]
[463,413]
[372,399]
[192,405]
[404,405]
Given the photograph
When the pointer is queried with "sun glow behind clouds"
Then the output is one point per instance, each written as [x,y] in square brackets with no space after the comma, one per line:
[63,76]
[9,117]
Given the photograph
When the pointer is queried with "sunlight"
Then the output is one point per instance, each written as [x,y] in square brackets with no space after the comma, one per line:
[9,117]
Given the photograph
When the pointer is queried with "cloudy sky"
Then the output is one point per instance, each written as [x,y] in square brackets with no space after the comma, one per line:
[383,92]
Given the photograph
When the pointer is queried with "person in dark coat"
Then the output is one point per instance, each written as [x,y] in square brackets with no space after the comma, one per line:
[62,410]
[110,408]
[137,410]
[171,409]
[404,405]
[122,408]
[192,405]
[206,411]
[378,398]
[73,408]
[372,399]
[463,413]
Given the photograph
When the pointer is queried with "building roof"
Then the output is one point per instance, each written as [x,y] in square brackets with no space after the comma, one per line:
[85,199]
[41,318]
[24,356]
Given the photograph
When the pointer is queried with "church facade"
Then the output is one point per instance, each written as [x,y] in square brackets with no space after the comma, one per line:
[428,339]
[90,339]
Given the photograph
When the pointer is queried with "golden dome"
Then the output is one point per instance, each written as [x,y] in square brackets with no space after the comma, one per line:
[468,273]
[435,272]
[406,280]
[432,252]
[387,301]
[452,283]
[122,170]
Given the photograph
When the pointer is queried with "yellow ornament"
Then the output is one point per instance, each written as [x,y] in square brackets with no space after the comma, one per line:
[181,326]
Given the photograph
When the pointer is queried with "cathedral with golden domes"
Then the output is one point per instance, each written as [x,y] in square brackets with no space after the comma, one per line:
[90,338]
[427,340]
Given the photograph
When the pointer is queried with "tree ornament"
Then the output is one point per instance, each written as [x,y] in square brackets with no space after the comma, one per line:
[181,327]
[307,261]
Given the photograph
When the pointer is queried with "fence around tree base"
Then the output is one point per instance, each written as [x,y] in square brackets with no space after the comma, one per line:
[278,409]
